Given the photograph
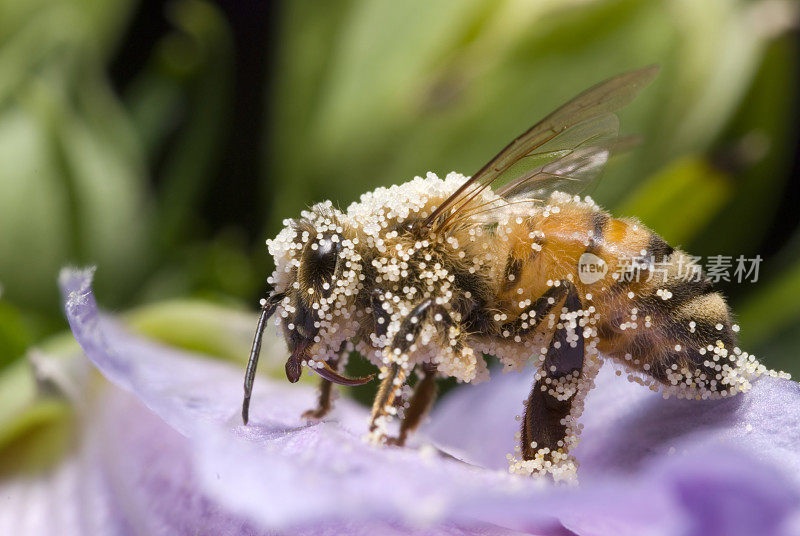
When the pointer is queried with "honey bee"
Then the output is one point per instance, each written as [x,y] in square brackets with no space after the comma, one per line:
[430,276]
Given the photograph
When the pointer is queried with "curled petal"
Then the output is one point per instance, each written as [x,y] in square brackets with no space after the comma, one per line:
[280,470]
[283,473]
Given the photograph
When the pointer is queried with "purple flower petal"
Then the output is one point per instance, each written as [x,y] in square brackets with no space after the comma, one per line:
[626,425]
[280,470]
[284,473]
[133,474]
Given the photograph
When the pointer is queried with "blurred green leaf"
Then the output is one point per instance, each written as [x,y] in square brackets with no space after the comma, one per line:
[217,270]
[197,326]
[34,213]
[17,391]
[71,188]
[35,431]
[680,200]
[767,311]
[765,126]
[211,329]
[208,328]
[15,335]
[37,439]
[773,308]
[424,86]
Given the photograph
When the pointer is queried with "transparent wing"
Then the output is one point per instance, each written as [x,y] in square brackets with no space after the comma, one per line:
[568,163]
[566,149]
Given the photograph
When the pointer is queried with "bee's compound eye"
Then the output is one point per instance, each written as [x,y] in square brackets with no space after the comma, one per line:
[320,261]
[324,257]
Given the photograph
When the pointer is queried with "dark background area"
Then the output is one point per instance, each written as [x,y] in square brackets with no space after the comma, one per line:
[238,173]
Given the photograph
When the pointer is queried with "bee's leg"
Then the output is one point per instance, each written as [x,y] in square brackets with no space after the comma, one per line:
[549,427]
[380,316]
[325,400]
[387,392]
[394,377]
[396,374]
[544,304]
[419,405]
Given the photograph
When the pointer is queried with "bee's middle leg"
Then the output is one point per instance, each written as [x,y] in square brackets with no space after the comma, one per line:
[396,374]
[419,405]
[394,377]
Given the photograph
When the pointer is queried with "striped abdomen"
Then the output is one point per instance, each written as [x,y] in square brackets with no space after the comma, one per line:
[659,313]
[656,311]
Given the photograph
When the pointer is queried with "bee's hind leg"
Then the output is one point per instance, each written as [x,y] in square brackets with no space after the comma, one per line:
[549,427]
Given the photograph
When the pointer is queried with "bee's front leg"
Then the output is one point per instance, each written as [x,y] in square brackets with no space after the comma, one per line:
[325,399]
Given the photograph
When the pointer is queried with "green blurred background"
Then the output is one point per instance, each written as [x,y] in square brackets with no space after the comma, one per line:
[163,142]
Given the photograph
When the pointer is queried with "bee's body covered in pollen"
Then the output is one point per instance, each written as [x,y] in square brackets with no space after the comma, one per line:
[428,276]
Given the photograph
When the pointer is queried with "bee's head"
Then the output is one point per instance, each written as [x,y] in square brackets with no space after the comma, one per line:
[317,274]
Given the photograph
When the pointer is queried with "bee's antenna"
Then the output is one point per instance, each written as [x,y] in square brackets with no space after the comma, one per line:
[268,307]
